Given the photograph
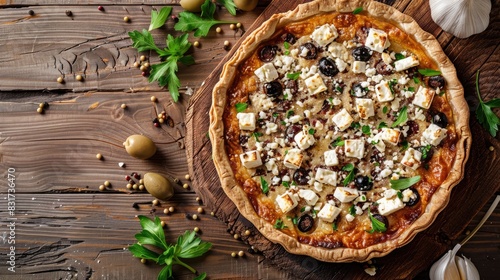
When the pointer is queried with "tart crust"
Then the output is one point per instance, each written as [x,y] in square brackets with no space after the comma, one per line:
[454,93]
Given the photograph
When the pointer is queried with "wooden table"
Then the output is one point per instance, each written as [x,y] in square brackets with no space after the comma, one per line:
[65,228]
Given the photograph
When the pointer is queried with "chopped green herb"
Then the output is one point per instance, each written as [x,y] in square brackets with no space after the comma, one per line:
[404,145]
[295,220]
[429,72]
[352,210]
[416,80]
[377,226]
[293,76]
[349,167]
[404,183]
[289,113]
[366,129]
[275,115]
[441,93]
[381,125]
[357,10]
[257,135]
[338,88]
[412,89]
[484,114]
[314,212]
[286,45]
[402,117]
[355,125]
[230,6]
[400,195]
[283,122]
[399,56]
[376,164]
[279,224]
[302,209]
[334,226]
[240,107]
[338,142]
[285,96]
[188,246]
[374,142]
[425,151]
[263,185]
[392,83]
[286,184]
[385,109]
[158,19]
[201,24]
[312,131]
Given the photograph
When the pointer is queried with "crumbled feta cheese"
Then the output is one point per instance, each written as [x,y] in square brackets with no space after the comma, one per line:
[261,102]
[412,158]
[304,140]
[405,63]
[388,206]
[386,58]
[246,121]
[324,34]
[331,158]
[386,172]
[365,107]
[408,194]
[272,166]
[377,40]
[377,78]
[370,72]
[354,148]
[286,202]
[342,119]
[271,127]
[433,135]
[267,73]
[349,218]
[329,212]
[344,194]
[423,97]
[293,159]
[251,159]
[326,176]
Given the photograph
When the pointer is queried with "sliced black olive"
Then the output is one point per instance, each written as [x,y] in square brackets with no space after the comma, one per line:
[292,130]
[383,68]
[292,86]
[437,82]
[267,53]
[362,53]
[440,120]
[305,223]
[363,183]
[327,67]
[358,90]
[311,53]
[414,199]
[301,176]
[273,89]
[382,219]
[289,37]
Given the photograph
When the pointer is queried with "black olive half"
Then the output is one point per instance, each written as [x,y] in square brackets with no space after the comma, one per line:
[267,53]
[382,219]
[363,183]
[362,53]
[292,130]
[289,37]
[440,120]
[312,51]
[436,82]
[358,90]
[301,176]
[414,199]
[327,67]
[273,89]
[305,223]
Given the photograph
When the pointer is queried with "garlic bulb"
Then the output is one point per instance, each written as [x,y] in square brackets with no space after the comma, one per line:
[446,267]
[467,269]
[461,18]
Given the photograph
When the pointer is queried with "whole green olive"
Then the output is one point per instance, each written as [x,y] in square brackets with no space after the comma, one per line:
[140,146]
[158,186]
[246,5]
[192,5]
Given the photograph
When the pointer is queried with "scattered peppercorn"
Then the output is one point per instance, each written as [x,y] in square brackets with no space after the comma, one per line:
[196,229]
[146,64]
[31,12]
[136,175]
[247,232]
[198,199]
[161,120]
[218,30]
[60,80]
[187,177]
[200,210]
[123,106]
[126,19]
[141,187]
[145,73]
[100,8]
[188,216]
[129,186]
[142,58]
[174,18]
[69,13]
[195,217]
[142,260]
[232,26]
[137,64]
[98,156]
[41,105]
[127,178]
[171,209]
[39,110]
[238,25]
[236,236]
[241,253]
[102,187]
[155,202]
[227,45]
[196,44]
[153,98]
[135,186]
[492,148]
[186,186]
[233,254]
[107,184]
[141,181]
[163,223]
[143,68]
[79,78]
[212,213]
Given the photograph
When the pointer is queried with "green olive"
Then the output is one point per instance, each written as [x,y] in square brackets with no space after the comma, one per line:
[140,146]
[192,5]
[246,5]
[158,186]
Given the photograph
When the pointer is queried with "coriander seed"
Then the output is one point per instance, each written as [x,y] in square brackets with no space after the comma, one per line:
[236,236]
[196,229]
[126,19]
[137,64]
[142,58]
[238,25]
[153,98]
[141,181]
[241,253]
[143,68]
[212,213]
[156,202]
[232,26]
[247,232]
[198,199]
[233,254]
[123,106]
[135,186]
[141,187]
[41,105]
[218,30]
[98,156]
[39,110]
[129,186]
[492,148]
[79,78]
[171,209]
[195,217]
[163,223]
[226,43]
[143,261]
[161,120]
[187,177]
[107,184]
[146,64]
[60,80]
[102,187]
[196,44]
[165,211]
[200,210]
[186,186]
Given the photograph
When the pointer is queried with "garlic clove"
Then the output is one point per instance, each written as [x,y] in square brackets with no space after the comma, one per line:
[461,18]
[445,267]
[467,269]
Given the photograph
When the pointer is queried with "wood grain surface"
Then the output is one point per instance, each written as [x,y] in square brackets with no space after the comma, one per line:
[67,229]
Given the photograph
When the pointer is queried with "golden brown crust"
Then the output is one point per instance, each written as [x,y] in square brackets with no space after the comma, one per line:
[454,91]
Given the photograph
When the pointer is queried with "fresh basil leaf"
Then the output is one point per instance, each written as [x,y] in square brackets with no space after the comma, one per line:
[263,185]
[158,19]
[402,117]
[377,226]
[352,210]
[399,56]
[338,142]
[381,125]
[404,183]
[357,10]
[240,107]
[279,224]
[366,129]
[416,80]
[286,184]
[429,72]
[348,167]
[486,117]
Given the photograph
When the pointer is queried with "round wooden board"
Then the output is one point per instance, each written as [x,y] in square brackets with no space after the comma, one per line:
[467,198]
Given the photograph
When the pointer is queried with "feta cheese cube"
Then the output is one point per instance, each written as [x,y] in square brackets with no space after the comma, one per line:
[389,135]
[423,97]
[326,176]
[383,92]
[304,140]
[329,213]
[293,159]
[344,194]
[315,84]
[324,34]
[309,196]
[412,158]
[331,158]
[358,67]
[341,65]
[267,73]
[433,135]
[354,148]
[286,202]
[377,40]
[387,206]
[406,63]
[386,58]
[365,107]
[246,121]
[251,159]
[342,119]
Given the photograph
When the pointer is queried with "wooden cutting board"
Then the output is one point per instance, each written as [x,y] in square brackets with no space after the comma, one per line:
[404,263]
